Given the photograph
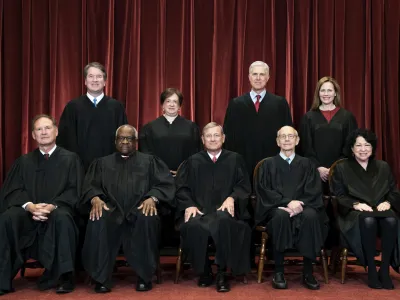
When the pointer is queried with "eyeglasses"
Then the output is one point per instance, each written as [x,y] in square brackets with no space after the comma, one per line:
[289,136]
[130,139]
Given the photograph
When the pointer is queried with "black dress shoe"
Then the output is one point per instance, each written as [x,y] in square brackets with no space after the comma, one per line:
[99,288]
[2,292]
[222,283]
[142,286]
[205,280]
[310,282]
[279,281]
[385,280]
[66,284]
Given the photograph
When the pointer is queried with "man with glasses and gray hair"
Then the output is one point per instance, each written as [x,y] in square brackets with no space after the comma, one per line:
[289,201]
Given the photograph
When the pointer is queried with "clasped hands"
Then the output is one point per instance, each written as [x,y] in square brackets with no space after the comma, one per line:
[365,207]
[148,207]
[40,211]
[228,205]
[293,208]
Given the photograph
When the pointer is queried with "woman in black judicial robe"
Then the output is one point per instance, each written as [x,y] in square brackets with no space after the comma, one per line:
[324,129]
[368,204]
[170,137]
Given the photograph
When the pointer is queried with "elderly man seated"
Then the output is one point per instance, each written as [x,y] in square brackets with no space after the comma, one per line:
[121,191]
[40,202]
[290,201]
[212,191]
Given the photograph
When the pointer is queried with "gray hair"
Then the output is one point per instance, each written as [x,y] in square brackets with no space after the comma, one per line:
[212,125]
[295,131]
[129,126]
[259,63]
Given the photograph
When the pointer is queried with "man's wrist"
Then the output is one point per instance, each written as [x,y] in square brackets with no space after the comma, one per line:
[154,199]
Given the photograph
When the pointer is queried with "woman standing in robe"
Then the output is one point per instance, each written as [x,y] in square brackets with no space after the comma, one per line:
[368,205]
[324,129]
[170,137]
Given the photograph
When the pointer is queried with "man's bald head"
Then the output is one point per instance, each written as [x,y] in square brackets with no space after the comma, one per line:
[287,138]
[287,129]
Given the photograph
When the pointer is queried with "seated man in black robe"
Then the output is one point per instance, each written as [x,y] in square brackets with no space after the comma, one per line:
[212,191]
[40,193]
[121,191]
[289,200]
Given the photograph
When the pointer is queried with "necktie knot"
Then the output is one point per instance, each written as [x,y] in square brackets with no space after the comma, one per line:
[46,156]
[214,159]
[257,103]
[95,102]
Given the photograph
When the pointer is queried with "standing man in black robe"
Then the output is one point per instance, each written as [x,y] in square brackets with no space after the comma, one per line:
[289,200]
[88,123]
[121,191]
[262,113]
[212,191]
[40,193]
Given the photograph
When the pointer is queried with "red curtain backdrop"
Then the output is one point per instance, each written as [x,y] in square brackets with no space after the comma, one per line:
[202,47]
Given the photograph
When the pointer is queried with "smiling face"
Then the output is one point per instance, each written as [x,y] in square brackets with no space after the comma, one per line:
[213,138]
[258,78]
[95,81]
[171,105]
[287,138]
[125,140]
[44,132]
[327,93]
[362,150]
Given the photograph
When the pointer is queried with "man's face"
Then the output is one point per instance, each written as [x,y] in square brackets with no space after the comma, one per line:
[125,141]
[258,78]
[287,139]
[44,132]
[213,138]
[94,81]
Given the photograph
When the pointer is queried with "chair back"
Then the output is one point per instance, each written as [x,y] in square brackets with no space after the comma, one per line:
[333,197]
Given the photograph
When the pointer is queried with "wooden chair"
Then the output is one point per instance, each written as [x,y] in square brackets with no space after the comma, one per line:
[342,253]
[264,234]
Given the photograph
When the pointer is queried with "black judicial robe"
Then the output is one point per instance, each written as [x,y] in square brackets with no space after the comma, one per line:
[350,183]
[33,179]
[252,134]
[206,185]
[278,183]
[123,185]
[323,142]
[173,143]
[89,131]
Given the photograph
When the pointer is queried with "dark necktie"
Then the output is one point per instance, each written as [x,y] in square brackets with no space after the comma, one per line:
[257,103]
[46,156]
[214,159]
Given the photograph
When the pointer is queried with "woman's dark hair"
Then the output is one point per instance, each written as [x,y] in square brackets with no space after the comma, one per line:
[169,92]
[368,135]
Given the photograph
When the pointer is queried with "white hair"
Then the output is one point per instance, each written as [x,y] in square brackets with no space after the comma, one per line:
[259,63]
[129,126]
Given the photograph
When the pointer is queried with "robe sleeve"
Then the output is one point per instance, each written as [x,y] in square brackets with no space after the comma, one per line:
[67,130]
[339,190]
[312,192]
[197,138]
[13,192]
[394,195]
[71,195]
[350,127]
[184,194]
[229,127]
[267,196]
[162,185]
[92,186]
[241,190]
[288,115]
[145,144]
[306,141]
